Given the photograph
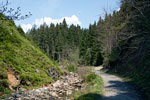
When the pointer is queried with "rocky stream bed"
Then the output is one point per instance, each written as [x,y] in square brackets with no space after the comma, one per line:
[59,90]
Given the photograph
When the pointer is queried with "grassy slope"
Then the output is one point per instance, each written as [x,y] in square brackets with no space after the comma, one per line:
[23,57]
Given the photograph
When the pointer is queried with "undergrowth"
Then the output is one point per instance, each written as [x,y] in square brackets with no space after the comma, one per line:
[92,91]
[71,68]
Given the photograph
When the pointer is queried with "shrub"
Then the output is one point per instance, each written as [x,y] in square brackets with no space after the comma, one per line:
[4,83]
[93,90]
[91,77]
[4,86]
[84,71]
[89,96]
[71,68]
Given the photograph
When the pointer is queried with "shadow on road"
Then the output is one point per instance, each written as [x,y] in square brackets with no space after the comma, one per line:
[121,91]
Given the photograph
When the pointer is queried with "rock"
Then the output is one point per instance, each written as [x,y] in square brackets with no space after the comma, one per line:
[46,97]
[33,47]
[69,92]
[21,90]
[58,90]
[27,98]
[32,99]
[66,84]
[54,94]
[37,71]
[10,98]
[18,99]
[53,73]
[51,98]
[23,82]
[28,83]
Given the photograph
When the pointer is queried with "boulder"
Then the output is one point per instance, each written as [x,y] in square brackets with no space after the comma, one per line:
[37,71]
[53,73]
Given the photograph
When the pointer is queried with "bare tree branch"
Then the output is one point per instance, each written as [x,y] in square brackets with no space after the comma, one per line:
[11,13]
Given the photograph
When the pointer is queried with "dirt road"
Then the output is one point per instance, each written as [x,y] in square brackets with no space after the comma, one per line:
[116,89]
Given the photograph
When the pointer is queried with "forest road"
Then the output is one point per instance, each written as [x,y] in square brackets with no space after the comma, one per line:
[116,89]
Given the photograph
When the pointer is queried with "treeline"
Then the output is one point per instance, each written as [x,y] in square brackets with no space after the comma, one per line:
[125,41]
[72,43]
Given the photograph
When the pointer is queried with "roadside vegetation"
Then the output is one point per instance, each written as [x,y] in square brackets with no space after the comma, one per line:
[93,89]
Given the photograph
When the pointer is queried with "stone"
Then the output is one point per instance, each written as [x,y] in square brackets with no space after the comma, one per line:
[22,90]
[18,99]
[69,92]
[28,83]
[53,73]
[33,47]
[17,95]
[10,98]
[55,91]
[54,94]
[37,71]
[26,98]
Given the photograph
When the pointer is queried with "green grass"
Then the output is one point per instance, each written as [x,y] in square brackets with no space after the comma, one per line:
[93,90]
[71,68]
[23,57]
[90,77]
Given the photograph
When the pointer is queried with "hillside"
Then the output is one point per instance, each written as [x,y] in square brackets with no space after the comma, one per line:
[21,58]
[126,33]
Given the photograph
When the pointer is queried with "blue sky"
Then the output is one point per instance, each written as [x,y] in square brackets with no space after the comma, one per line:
[82,12]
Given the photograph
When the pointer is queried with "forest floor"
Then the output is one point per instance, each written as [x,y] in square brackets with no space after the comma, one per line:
[117,89]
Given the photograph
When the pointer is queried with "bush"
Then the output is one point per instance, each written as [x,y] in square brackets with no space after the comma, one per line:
[90,77]
[71,68]
[93,90]
[84,71]
[4,83]
[89,96]
[4,87]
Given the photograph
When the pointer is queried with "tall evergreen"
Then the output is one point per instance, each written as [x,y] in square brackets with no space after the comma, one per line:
[125,41]
[60,42]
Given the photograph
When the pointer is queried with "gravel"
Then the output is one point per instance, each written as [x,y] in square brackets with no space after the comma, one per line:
[116,89]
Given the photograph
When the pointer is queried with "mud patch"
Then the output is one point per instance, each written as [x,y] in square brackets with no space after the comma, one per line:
[12,79]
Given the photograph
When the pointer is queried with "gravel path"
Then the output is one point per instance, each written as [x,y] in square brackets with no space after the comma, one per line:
[116,89]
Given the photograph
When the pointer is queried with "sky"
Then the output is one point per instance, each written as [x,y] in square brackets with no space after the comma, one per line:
[81,12]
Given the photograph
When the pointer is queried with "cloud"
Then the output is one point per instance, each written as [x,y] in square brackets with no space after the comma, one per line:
[26,27]
[118,9]
[48,20]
